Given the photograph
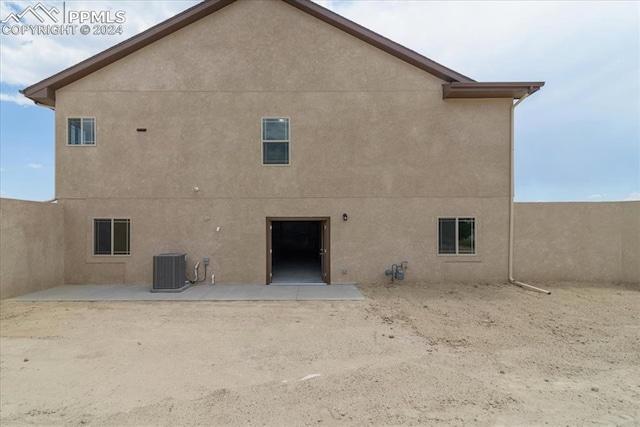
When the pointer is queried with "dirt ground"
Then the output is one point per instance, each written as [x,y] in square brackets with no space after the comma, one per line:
[408,355]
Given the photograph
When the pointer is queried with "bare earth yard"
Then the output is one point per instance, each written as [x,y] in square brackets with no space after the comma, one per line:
[411,355]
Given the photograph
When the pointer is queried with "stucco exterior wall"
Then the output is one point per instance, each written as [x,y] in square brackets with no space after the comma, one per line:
[579,242]
[378,233]
[31,246]
[370,136]
[363,123]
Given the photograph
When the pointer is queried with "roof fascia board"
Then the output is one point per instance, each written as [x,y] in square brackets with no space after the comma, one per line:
[466,90]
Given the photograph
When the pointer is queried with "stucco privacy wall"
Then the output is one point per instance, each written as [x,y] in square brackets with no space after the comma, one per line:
[580,242]
[31,246]
[370,136]
[631,242]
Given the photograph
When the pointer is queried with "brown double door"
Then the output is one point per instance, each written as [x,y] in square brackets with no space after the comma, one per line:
[298,251]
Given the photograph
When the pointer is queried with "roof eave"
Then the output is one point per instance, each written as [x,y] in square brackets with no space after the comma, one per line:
[44,96]
[470,90]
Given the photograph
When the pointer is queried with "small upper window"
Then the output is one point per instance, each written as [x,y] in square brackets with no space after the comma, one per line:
[457,236]
[111,236]
[82,131]
[275,141]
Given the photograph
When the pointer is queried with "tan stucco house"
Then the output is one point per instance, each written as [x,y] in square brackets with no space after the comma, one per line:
[286,144]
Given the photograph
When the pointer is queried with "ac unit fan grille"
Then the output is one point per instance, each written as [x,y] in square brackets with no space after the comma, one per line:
[169,271]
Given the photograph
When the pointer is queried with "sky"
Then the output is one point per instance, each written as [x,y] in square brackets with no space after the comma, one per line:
[577,139]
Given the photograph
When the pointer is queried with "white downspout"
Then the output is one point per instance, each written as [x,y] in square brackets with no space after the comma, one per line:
[511,204]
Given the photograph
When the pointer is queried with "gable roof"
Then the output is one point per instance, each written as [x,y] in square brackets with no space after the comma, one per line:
[44,92]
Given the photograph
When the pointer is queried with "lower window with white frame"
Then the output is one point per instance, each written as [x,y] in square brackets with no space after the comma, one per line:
[111,236]
[457,236]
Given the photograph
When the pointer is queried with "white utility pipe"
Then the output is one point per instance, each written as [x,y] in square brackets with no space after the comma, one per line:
[511,204]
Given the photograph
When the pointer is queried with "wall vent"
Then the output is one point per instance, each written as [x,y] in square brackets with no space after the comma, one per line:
[169,272]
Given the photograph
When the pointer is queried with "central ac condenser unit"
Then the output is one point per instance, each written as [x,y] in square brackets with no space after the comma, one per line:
[169,273]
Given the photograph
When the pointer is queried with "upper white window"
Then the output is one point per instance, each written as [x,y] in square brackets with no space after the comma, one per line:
[457,236]
[81,131]
[275,141]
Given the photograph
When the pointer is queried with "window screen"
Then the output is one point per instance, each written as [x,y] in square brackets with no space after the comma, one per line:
[75,131]
[447,236]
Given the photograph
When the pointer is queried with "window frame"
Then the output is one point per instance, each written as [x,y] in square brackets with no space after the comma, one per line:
[112,222]
[82,143]
[264,141]
[457,220]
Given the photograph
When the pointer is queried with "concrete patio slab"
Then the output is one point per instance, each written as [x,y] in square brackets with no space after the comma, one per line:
[197,293]
[329,293]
